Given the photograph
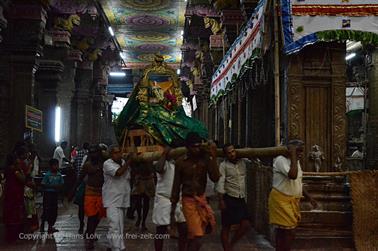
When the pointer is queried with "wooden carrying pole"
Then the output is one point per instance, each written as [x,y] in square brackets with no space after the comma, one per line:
[241,153]
[277,113]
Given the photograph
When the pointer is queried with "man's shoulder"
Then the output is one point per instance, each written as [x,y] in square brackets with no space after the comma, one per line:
[223,163]
[281,162]
[281,158]
[108,162]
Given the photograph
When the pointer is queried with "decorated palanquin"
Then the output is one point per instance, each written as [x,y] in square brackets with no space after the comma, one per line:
[154,115]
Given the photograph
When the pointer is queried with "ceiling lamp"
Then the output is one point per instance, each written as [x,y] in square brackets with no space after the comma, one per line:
[117,74]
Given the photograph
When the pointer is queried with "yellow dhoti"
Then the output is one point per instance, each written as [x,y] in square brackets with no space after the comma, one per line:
[284,210]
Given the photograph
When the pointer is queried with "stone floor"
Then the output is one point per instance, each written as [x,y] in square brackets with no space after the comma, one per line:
[68,239]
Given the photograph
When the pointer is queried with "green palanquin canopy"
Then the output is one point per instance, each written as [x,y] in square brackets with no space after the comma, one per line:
[155,106]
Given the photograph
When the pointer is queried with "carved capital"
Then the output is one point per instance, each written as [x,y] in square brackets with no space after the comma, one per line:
[28,12]
[25,28]
[75,55]
[232,17]
[49,73]
[60,38]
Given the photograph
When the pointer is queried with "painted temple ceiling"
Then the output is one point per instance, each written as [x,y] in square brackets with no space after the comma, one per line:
[146,27]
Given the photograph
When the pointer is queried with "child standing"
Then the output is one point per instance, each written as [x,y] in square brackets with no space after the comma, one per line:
[52,183]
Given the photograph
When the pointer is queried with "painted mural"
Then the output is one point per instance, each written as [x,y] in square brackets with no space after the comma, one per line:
[144,28]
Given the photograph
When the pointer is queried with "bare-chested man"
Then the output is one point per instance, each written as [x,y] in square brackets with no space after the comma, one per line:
[190,179]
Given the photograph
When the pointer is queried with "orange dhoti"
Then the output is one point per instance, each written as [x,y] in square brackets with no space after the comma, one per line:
[93,202]
[199,216]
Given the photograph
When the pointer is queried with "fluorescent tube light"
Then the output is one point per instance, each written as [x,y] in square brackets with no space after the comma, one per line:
[350,56]
[57,123]
[111,31]
[117,74]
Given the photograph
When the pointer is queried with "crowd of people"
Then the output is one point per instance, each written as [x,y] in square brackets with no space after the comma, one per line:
[112,186]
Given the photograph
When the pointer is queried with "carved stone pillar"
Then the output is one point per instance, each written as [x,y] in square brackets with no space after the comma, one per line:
[59,50]
[83,100]
[100,82]
[48,77]
[66,89]
[372,134]
[21,42]
[69,80]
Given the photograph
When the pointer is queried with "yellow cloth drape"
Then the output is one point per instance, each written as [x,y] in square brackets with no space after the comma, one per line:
[284,210]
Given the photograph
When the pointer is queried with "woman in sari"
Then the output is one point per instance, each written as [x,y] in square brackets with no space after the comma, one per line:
[14,210]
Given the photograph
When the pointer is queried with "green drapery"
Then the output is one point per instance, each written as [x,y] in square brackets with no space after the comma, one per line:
[166,126]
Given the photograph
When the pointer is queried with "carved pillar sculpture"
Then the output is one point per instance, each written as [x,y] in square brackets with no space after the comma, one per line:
[372,134]
[48,77]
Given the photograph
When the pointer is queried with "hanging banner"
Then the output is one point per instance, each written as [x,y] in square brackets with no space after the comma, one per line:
[33,118]
[308,21]
[244,49]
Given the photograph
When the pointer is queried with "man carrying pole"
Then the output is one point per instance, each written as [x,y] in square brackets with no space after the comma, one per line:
[190,178]
[284,211]
[231,189]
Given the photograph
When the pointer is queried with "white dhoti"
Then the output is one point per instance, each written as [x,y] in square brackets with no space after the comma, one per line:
[161,214]
[115,236]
